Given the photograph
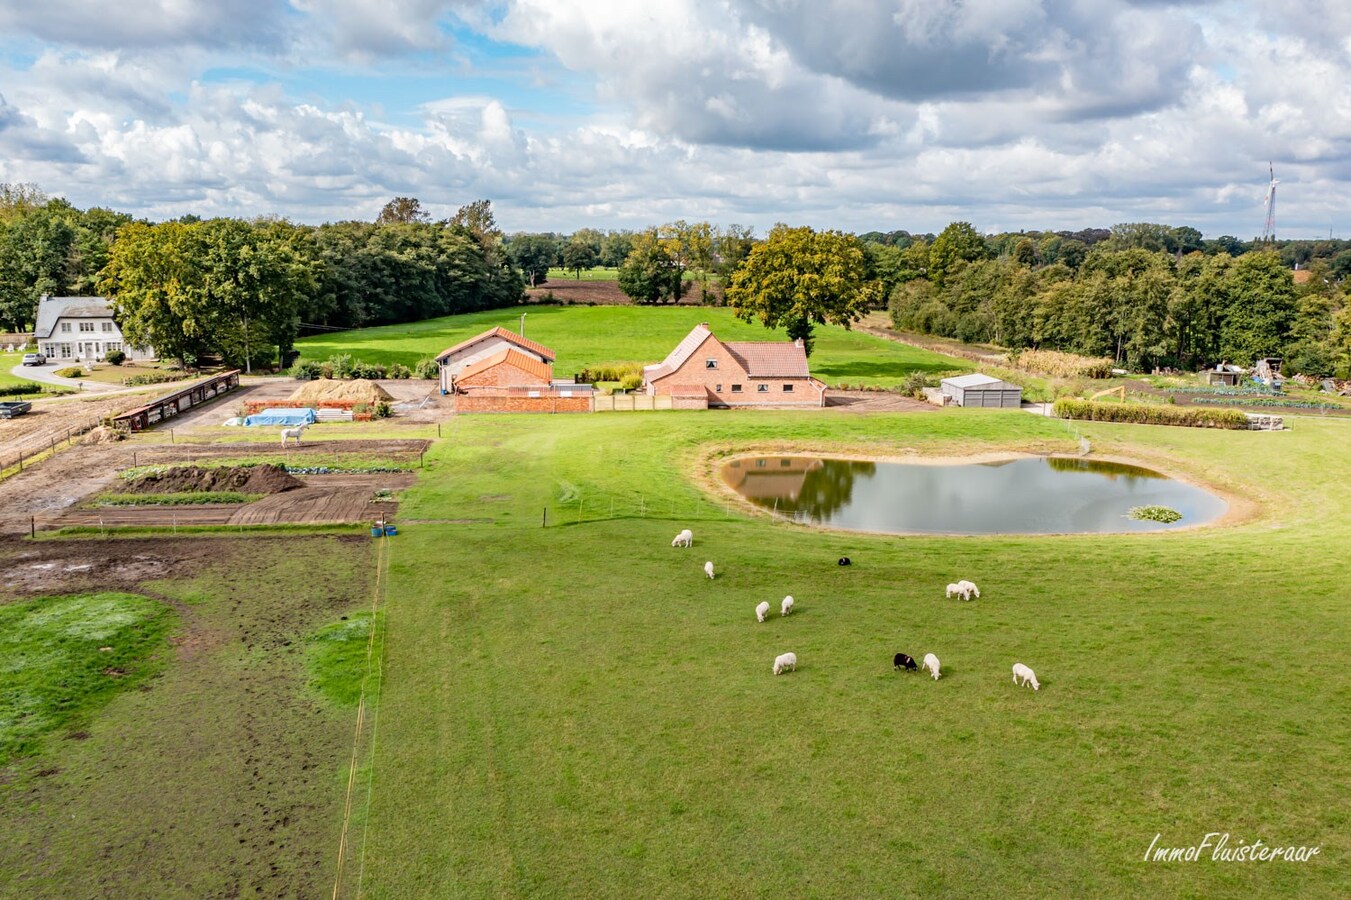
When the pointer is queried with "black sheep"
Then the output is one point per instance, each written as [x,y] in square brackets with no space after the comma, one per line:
[844,560]
[903,661]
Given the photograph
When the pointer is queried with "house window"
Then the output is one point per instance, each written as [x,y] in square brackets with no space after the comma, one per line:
[113,345]
[65,350]
[788,389]
[717,389]
[86,326]
[710,364]
[762,389]
[65,328]
[736,389]
[107,326]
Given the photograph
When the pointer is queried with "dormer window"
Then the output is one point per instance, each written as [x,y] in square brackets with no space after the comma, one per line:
[65,327]
[710,364]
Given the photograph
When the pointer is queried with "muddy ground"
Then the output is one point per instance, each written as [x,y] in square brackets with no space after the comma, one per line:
[220,777]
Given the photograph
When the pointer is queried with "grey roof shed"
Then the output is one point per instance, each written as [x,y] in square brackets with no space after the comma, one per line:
[983,391]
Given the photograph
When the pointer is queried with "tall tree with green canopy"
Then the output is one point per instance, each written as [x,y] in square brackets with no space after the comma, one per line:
[578,255]
[650,274]
[957,245]
[1261,308]
[799,278]
[533,254]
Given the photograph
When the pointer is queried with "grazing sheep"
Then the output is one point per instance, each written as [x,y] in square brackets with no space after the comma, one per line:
[684,539]
[787,606]
[844,561]
[970,588]
[904,661]
[1028,676]
[761,610]
[785,663]
[708,569]
[931,663]
[293,433]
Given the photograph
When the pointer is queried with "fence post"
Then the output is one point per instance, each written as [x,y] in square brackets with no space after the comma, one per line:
[32,526]
[544,522]
[642,510]
[171,436]
[581,505]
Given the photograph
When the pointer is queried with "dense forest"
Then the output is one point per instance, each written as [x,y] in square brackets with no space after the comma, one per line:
[1146,295]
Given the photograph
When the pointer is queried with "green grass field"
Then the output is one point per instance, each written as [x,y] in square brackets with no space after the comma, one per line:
[7,362]
[577,711]
[585,336]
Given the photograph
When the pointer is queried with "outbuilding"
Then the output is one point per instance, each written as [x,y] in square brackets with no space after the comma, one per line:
[983,391]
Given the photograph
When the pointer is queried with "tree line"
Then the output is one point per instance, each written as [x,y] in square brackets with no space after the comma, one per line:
[242,289]
[1145,294]
[1127,296]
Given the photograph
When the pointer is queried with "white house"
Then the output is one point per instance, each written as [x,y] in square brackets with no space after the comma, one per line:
[80,329]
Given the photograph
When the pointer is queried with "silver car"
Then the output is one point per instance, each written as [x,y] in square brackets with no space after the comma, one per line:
[34,359]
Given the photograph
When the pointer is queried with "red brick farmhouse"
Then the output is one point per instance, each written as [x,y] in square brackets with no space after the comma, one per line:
[703,372]
[482,346]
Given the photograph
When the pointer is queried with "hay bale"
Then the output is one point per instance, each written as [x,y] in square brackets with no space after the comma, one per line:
[358,390]
[103,434]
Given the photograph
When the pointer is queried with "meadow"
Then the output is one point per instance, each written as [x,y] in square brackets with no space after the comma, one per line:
[588,337]
[577,710]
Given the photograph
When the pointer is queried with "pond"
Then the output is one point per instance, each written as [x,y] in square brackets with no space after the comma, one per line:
[1031,495]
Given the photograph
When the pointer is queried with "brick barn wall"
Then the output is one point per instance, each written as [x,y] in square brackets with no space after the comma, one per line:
[483,403]
[690,402]
[501,375]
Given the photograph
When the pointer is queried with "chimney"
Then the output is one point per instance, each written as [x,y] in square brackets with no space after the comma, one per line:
[798,343]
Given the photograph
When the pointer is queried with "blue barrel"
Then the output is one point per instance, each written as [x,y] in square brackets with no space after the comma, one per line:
[377,531]
[390,530]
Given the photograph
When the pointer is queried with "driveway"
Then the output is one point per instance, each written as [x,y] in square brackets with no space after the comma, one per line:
[47,375]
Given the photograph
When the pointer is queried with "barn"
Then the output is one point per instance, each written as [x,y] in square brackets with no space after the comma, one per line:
[983,391]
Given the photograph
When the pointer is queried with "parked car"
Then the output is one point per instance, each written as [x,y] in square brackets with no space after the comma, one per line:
[34,359]
[12,408]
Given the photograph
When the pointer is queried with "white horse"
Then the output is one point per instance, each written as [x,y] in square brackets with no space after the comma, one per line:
[293,433]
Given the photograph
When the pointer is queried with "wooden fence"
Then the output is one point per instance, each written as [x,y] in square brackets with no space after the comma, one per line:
[629,402]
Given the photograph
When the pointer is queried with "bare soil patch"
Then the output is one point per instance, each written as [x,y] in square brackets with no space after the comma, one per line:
[265,478]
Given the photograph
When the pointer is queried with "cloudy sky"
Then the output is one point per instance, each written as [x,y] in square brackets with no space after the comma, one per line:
[853,114]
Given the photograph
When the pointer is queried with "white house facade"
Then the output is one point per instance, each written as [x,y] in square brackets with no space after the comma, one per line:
[80,329]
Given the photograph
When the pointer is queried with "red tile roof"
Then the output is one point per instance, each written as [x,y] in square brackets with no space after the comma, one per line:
[504,334]
[770,359]
[676,358]
[541,370]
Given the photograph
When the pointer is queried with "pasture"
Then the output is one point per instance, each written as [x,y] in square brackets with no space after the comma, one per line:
[587,337]
[576,710]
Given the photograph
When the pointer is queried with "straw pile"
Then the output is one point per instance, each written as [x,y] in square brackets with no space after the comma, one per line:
[358,390]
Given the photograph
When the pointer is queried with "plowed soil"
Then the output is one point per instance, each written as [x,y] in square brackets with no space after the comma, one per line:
[266,478]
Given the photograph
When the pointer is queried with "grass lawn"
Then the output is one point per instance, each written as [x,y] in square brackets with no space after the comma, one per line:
[111,374]
[585,336]
[221,775]
[7,362]
[577,711]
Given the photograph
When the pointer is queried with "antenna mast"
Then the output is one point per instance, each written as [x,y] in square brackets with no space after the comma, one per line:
[1269,230]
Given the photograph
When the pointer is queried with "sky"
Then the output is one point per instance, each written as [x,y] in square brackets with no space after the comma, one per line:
[859,115]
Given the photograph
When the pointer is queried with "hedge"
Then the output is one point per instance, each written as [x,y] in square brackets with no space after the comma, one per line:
[1140,414]
[23,387]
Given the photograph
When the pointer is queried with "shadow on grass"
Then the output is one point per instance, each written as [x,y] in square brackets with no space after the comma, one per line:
[866,369]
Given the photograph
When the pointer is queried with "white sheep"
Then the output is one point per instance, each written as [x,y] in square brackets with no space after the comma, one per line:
[761,610]
[708,569]
[954,589]
[684,539]
[970,588]
[931,663]
[1028,676]
[787,605]
[784,663]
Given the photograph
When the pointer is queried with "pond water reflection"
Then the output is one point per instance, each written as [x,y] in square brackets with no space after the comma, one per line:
[1033,495]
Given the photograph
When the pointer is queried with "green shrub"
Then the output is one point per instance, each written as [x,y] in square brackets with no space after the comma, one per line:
[307,370]
[427,368]
[370,371]
[1141,414]
[1165,514]
[914,385]
[24,387]
[70,372]
[116,357]
[340,365]
[383,410]
[399,371]
[631,382]
[614,372]
[154,378]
